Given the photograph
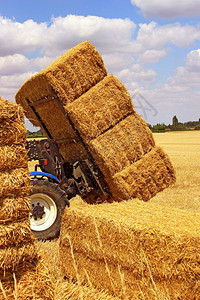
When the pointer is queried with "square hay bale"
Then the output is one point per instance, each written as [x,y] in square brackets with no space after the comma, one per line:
[13,257]
[101,107]
[30,281]
[12,128]
[132,249]
[12,157]
[14,234]
[144,178]
[14,182]
[14,208]
[13,132]
[10,111]
[61,130]
[122,145]
[70,76]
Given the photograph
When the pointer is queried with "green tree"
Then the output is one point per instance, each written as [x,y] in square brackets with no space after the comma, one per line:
[175,122]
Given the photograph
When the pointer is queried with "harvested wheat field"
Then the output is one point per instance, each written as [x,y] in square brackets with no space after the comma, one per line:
[138,250]
[22,273]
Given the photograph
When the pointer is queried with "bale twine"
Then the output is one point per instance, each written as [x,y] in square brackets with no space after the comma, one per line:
[133,249]
[70,76]
[18,258]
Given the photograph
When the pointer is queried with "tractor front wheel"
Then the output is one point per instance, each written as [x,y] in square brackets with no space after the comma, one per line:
[48,202]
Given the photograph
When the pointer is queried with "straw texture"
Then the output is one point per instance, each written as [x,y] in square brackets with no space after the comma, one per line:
[16,182]
[70,76]
[12,257]
[15,234]
[101,107]
[12,128]
[132,249]
[21,275]
[122,145]
[74,291]
[12,157]
[30,281]
[14,208]
[145,178]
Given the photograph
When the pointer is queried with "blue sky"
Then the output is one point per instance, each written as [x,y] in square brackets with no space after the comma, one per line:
[153,47]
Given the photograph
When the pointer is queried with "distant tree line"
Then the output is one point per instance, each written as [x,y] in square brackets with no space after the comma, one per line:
[176,126]
[160,127]
[34,134]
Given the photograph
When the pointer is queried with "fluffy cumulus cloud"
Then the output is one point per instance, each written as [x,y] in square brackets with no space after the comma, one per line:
[168,8]
[20,37]
[26,48]
[127,50]
[179,94]
[155,36]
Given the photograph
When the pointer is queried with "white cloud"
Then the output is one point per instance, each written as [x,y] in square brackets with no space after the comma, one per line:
[168,9]
[151,56]
[13,64]
[26,48]
[117,61]
[106,34]
[187,76]
[193,61]
[154,36]
[180,94]
[9,84]
[136,75]
[20,37]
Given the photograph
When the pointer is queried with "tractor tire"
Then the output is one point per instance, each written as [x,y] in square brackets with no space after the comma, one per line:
[48,202]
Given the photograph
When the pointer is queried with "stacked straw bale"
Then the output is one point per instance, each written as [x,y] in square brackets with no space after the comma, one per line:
[16,240]
[101,107]
[133,250]
[70,76]
[98,113]
[19,265]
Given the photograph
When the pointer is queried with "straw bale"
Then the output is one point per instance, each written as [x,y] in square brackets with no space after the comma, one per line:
[15,234]
[15,182]
[70,76]
[13,132]
[54,119]
[12,157]
[145,178]
[13,257]
[132,244]
[10,111]
[14,208]
[12,128]
[122,145]
[29,281]
[74,291]
[101,107]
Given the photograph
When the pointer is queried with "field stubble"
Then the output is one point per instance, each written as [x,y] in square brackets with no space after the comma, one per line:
[183,149]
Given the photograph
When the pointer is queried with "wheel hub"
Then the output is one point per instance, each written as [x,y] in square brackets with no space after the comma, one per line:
[37,211]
